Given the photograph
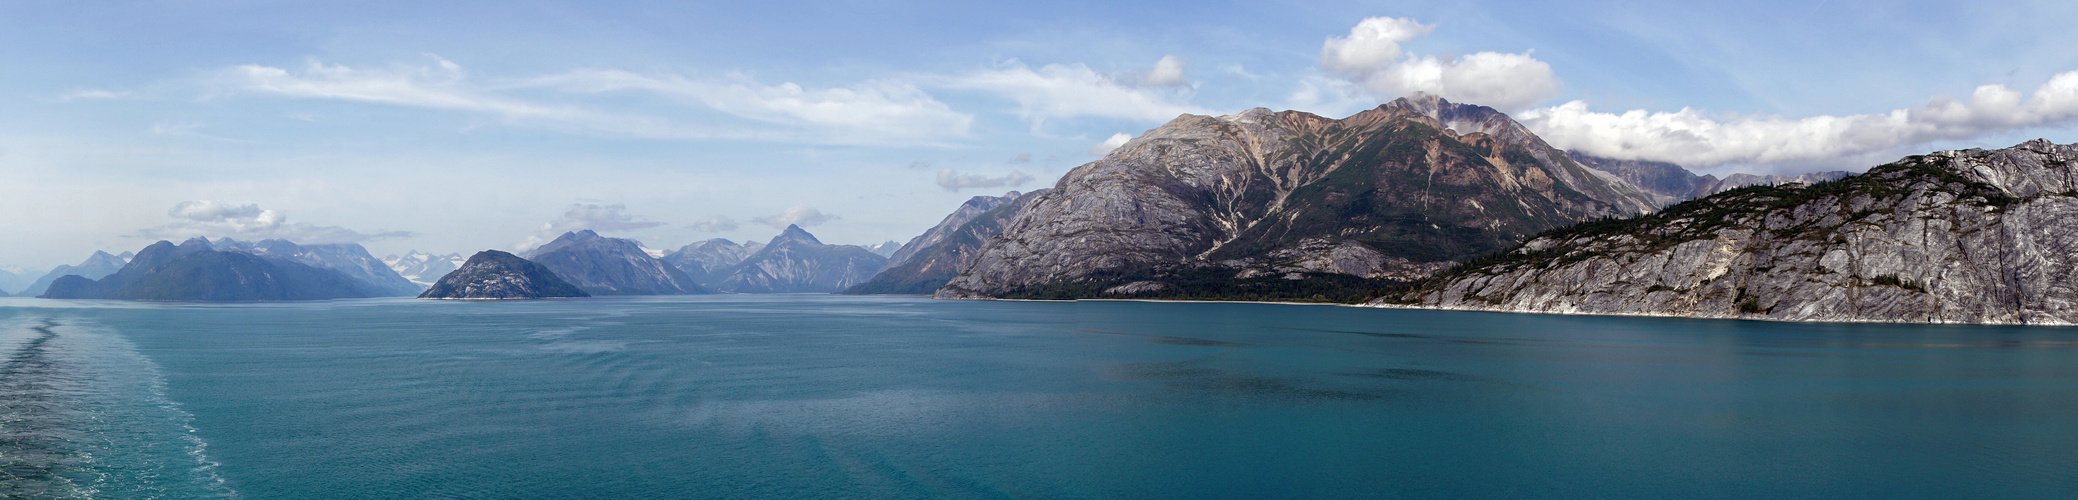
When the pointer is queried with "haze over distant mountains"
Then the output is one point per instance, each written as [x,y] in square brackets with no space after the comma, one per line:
[229,270]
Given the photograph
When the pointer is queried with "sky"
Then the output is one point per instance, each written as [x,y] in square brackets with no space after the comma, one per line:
[465,126]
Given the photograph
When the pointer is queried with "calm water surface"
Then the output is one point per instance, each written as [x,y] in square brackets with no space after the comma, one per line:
[805,396]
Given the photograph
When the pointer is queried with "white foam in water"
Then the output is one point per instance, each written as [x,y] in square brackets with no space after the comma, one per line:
[128,438]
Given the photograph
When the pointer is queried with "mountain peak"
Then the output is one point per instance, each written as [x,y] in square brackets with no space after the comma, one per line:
[794,233]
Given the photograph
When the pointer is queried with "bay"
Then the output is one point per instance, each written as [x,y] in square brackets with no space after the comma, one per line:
[815,396]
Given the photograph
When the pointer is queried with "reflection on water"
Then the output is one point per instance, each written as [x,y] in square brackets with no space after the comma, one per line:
[804,396]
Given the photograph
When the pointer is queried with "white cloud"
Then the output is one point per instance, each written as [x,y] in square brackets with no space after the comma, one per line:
[1371,56]
[604,218]
[716,224]
[1109,144]
[876,110]
[1167,72]
[175,128]
[93,94]
[218,219]
[803,216]
[1695,139]
[873,112]
[953,180]
[1074,90]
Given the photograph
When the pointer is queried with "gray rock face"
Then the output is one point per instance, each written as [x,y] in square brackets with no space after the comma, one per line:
[959,217]
[97,266]
[349,259]
[492,274]
[703,258]
[1970,236]
[934,258]
[611,266]
[1394,192]
[796,262]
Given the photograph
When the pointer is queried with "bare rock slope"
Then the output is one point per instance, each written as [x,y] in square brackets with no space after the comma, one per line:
[1393,193]
[1970,236]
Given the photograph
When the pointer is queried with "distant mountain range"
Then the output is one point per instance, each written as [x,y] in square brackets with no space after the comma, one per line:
[98,265]
[1670,183]
[601,265]
[423,268]
[796,262]
[931,259]
[196,271]
[701,258]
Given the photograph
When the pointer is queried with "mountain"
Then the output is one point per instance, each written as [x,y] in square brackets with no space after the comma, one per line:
[1266,204]
[1670,183]
[195,271]
[423,268]
[700,258]
[884,249]
[492,274]
[960,216]
[1971,236]
[611,266]
[349,259]
[930,260]
[15,278]
[796,262]
[97,266]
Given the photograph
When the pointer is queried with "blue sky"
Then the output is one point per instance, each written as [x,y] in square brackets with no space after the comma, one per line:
[472,125]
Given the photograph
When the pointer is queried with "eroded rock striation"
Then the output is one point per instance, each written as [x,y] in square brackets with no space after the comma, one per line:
[1971,236]
[492,274]
[1393,193]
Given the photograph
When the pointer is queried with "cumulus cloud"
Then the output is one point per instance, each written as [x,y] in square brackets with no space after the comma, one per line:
[1696,139]
[878,109]
[1167,72]
[715,224]
[953,180]
[1109,144]
[1372,57]
[800,215]
[603,218]
[247,221]
[871,112]
[1074,90]
[1021,158]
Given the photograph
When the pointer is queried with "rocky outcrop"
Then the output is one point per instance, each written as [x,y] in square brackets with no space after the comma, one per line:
[796,262]
[1969,236]
[611,266]
[194,271]
[701,259]
[492,274]
[97,266]
[1393,192]
[935,257]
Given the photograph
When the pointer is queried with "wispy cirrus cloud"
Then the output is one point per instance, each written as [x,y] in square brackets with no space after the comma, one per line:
[1057,91]
[954,180]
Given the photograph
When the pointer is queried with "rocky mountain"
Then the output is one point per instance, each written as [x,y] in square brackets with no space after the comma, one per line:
[934,258]
[97,266]
[195,271]
[349,259]
[1269,201]
[974,207]
[611,266]
[423,268]
[796,262]
[1970,236]
[1670,183]
[702,258]
[492,274]
[884,249]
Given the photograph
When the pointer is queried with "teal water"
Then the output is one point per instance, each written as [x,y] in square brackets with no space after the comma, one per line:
[808,396]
